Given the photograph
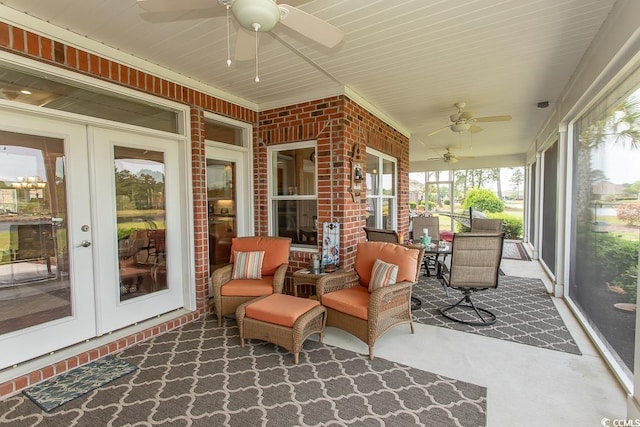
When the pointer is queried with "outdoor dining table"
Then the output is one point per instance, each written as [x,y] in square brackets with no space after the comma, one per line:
[437,248]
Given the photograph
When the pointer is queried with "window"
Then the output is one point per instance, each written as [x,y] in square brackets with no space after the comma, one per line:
[57,93]
[381,182]
[604,241]
[292,193]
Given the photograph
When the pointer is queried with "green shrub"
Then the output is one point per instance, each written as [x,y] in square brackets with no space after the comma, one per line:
[483,200]
[412,205]
[511,225]
[629,282]
[616,260]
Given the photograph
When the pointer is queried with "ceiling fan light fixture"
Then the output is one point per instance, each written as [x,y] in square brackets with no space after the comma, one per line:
[265,13]
[460,127]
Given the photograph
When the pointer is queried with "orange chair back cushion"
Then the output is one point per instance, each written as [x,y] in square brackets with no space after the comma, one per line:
[276,250]
[405,258]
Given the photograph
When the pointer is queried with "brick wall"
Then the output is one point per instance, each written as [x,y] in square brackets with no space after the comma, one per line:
[343,129]
[338,124]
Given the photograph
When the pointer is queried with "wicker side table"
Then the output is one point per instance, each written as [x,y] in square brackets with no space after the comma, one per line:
[289,336]
[308,279]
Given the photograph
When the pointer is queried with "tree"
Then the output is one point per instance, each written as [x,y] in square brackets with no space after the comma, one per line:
[516,179]
[619,125]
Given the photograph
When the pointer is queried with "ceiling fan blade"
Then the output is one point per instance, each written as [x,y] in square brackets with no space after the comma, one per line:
[439,130]
[310,26]
[465,115]
[475,129]
[245,45]
[174,5]
[493,119]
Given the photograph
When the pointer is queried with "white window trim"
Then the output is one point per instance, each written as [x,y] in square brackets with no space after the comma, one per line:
[381,156]
[246,152]
[271,197]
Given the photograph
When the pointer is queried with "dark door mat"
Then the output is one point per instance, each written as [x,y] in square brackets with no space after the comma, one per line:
[59,390]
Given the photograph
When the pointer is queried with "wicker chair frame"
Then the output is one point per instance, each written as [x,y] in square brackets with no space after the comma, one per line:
[388,306]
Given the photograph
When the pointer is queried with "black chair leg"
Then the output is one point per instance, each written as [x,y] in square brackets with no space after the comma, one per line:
[488,319]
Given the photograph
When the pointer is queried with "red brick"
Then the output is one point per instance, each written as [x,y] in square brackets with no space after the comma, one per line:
[4,34]
[72,57]
[83,358]
[35,377]
[33,45]
[18,38]
[94,64]
[20,383]
[104,68]
[47,372]
[46,48]
[83,60]
[6,389]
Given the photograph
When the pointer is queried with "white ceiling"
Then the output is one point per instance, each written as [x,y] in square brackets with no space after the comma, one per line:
[411,59]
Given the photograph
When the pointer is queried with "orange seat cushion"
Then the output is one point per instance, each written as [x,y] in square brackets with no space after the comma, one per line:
[248,287]
[405,258]
[352,301]
[280,309]
[276,250]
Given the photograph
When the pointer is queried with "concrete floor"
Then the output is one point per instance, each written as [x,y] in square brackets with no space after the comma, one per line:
[526,385]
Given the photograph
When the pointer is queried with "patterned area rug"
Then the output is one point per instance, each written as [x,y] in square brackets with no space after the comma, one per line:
[514,249]
[59,390]
[199,375]
[524,309]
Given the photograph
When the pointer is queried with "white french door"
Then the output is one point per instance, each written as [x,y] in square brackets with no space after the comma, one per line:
[137,210]
[46,258]
[92,226]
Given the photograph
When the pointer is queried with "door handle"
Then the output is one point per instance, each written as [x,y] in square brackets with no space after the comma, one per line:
[84,244]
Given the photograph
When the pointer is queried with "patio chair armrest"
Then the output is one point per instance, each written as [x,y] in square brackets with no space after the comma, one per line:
[389,298]
[278,278]
[336,281]
[220,277]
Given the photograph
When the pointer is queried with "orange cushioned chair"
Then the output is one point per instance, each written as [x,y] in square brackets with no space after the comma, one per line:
[369,314]
[229,293]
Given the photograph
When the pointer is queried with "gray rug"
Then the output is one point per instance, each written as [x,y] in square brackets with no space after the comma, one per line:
[524,309]
[199,376]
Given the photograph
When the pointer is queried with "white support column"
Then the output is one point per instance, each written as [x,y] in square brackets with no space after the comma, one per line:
[537,208]
[561,209]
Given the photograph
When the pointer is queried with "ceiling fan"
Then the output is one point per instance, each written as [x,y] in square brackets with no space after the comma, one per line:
[448,157]
[255,16]
[465,121]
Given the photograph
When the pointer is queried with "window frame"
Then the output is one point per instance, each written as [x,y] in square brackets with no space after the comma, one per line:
[378,199]
[272,198]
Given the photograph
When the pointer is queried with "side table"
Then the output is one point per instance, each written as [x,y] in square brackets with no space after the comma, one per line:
[305,277]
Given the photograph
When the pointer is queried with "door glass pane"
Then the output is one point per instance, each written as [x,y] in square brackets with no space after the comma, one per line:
[140,210]
[34,274]
[214,131]
[221,202]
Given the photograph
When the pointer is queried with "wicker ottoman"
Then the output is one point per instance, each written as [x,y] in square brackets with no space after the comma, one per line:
[281,319]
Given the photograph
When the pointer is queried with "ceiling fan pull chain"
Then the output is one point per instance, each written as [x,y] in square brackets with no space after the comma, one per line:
[256,27]
[228,37]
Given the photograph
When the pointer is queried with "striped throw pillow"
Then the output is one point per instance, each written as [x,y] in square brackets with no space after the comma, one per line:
[382,274]
[248,265]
